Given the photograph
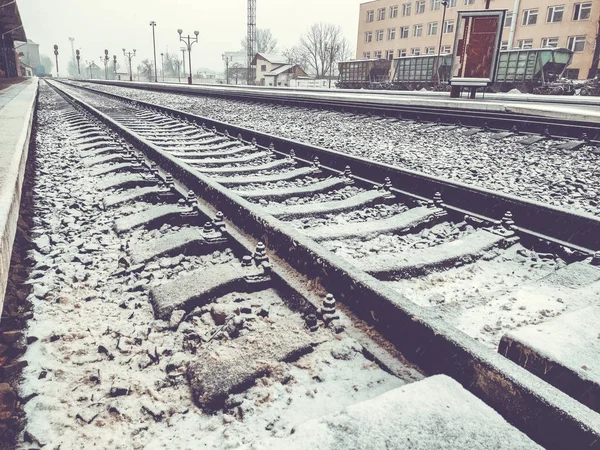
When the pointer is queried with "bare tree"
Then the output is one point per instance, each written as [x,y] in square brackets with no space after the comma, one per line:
[46,61]
[265,42]
[146,69]
[323,45]
[237,72]
[171,64]
[295,55]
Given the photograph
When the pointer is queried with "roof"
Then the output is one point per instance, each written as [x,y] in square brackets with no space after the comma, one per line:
[10,21]
[272,58]
[283,69]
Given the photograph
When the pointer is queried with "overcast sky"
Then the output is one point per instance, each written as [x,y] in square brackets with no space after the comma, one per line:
[114,24]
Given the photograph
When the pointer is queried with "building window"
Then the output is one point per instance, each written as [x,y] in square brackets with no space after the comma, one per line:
[263,68]
[430,50]
[555,14]
[446,49]
[469,2]
[377,54]
[368,36]
[381,14]
[406,7]
[402,53]
[389,54]
[572,74]
[393,12]
[449,26]
[379,35]
[525,43]
[419,6]
[530,16]
[415,51]
[551,42]
[403,32]
[432,28]
[391,34]
[582,11]
[451,3]
[370,15]
[435,4]
[504,45]
[508,20]
[418,30]
[367,55]
[576,43]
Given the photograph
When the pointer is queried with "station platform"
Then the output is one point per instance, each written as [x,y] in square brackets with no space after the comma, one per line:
[576,108]
[17,108]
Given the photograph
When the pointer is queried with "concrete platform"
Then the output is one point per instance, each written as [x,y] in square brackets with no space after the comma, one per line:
[583,109]
[564,351]
[436,413]
[17,109]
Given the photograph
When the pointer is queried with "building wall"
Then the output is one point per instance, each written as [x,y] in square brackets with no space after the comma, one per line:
[262,67]
[524,35]
[31,53]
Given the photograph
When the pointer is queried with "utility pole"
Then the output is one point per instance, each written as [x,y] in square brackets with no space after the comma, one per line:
[183,50]
[153,25]
[251,39]
[130,55]
[72,48]
[227,59]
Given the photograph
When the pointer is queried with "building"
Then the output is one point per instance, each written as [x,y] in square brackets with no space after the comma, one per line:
[274,70]
[397,28]
[11,30]
[31,56]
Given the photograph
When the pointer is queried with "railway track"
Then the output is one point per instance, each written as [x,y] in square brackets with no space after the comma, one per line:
[336,228]
[483,118]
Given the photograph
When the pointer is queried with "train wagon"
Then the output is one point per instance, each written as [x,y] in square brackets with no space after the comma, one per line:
[416,72]
[524,69]
[364,74]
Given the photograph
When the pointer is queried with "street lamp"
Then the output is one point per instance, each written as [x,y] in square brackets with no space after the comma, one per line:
[188,44]
[78,57]
[56,56]
[105,61]
[129,55]
[437,63]
[183,59]
[227,59]
[162,65]
[115,66]
[153,25]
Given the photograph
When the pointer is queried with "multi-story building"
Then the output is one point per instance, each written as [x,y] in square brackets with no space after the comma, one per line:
[397,28]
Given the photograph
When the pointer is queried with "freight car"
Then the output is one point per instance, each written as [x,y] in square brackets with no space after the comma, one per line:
[524,69]
[364,74]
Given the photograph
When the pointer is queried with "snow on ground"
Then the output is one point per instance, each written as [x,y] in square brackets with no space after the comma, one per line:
[558,177]
[106,374]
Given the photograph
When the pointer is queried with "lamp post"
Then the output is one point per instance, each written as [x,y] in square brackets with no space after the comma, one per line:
[153,25]
[78,57]
[188,44]
[56,56]
[437,63]
[183,59]
[105,61]
[227,59]
[129,55]
[162,65]
[115,66]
